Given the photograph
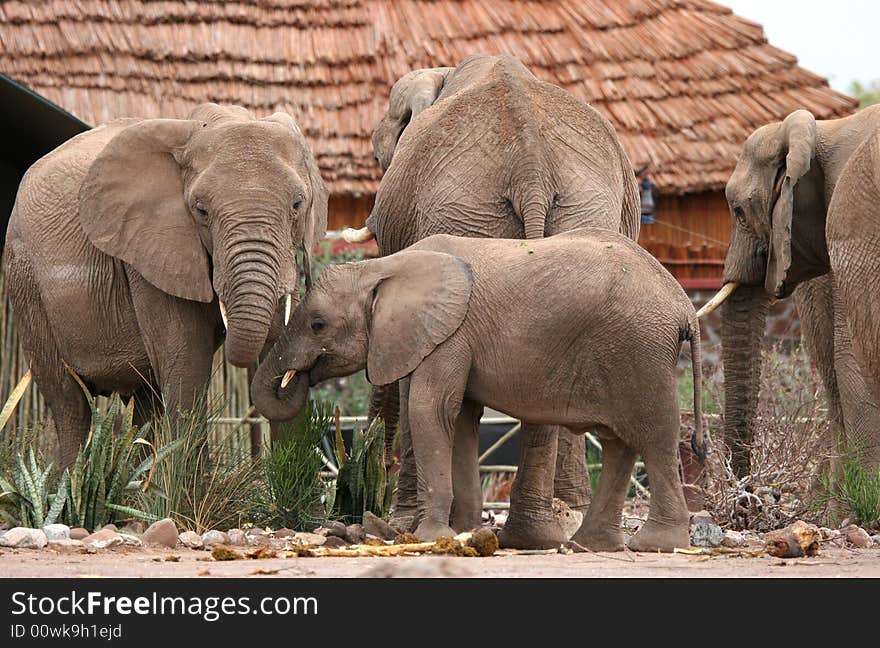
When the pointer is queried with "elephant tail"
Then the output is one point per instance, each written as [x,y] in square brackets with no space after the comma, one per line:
[692,334]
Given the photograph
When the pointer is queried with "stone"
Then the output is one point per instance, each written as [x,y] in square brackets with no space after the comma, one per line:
[135,528]
[111,527]
[376,526]
[78,533]
[213,538]
[55,532]
[355,533]
[705,533]
[66,544]
[569,519]
[24,538]
[191,539]
[424,567]
[857,536]
[255,531]
[103,539]
[237,537]
[303,538]
[500,519]
[131,540]
[163,533]
[284,533]
[336,529]
[259,541]
[876,539]
[733,539]
[334,542]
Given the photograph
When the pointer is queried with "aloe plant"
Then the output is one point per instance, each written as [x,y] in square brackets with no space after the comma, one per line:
[25,499]
[363,483]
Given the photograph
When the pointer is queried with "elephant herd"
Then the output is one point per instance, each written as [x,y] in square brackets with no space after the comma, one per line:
[136,249]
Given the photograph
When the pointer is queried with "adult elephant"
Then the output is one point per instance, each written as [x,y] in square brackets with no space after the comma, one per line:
[131,247]
[488,150]
[779,194]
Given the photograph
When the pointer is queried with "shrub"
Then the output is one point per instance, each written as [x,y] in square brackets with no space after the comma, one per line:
[293,493]
[857,488]
[25,500]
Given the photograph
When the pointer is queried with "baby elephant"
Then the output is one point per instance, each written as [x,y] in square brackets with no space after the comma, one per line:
[581,329]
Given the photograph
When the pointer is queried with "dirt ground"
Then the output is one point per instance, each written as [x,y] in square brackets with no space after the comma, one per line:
[831,563]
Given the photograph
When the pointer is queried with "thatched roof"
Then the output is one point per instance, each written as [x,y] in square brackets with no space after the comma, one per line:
[683,81]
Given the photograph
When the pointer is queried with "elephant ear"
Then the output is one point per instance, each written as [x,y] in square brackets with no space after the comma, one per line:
[798,138]
[413,93]
[131,206]
[420,298]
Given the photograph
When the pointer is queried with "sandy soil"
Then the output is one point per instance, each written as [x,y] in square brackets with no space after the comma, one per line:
[831,563]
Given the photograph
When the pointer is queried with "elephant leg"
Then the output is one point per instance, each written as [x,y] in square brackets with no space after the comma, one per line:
[571,483]
[467,502]
[531,523]
[668,517]
[63,395]
[600,530]
[179,341]
[436,392]
[861,416]
[385,403]
[405,503]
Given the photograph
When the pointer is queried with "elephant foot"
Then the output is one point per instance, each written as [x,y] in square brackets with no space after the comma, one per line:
[597,538]
[653,536]
[430,530]
[535,534]
[466,521]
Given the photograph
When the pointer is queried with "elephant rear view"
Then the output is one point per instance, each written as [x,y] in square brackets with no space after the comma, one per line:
[487,150]
[135,247]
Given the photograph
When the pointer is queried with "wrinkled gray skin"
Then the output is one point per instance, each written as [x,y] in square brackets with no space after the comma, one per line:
[123,239]
[437,316]
[779,195]
[487,150]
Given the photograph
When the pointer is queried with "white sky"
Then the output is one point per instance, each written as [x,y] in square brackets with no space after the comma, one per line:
[838,39]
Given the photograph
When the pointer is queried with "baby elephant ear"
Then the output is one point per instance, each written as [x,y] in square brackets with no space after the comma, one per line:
[420,298]
[131,206]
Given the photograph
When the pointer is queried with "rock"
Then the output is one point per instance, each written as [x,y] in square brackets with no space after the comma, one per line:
[24,538]
[259,541]
[111,527]
[284,533]
[163,532]
[355,533]
[55,532]
[237,537]
[4,527]
[66,544]
[335,528]
[705,533]
[733,539]
[424,567]
[796,540]
[255,531]
[303,538]
[374,525]
[191,539]
[78,533]
[334,542]
[213,538]
[569,519]
[857,536]
[131,540]
[876,539]
[500,519]
[135,528]
[103,539]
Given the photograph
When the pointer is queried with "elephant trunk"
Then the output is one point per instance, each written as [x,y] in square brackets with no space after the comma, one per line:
[743,319]
[250,290]
[273,401]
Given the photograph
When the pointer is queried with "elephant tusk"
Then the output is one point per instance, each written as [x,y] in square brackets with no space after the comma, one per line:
[223,315]
[288,303]
[285,380]
[719,298]
[361,235]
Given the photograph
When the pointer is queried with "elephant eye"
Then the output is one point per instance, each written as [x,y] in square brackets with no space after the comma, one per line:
[201,210]
[297,203]
[318,326]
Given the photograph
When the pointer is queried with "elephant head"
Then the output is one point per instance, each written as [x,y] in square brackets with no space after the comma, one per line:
[385,314]
[777,206]
[213,204]
[413,93]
